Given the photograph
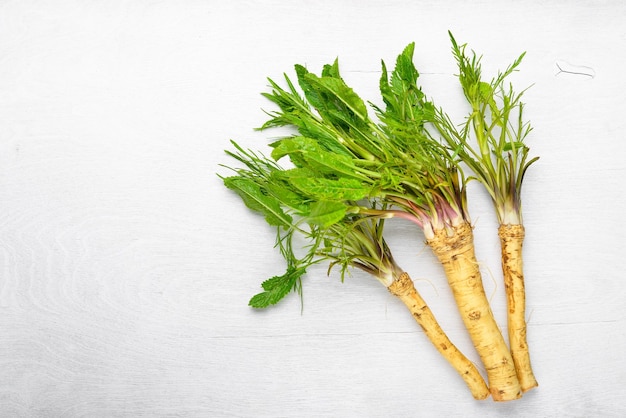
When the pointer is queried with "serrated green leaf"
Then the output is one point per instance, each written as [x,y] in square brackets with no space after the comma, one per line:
[339,90]
[292,173]
[306,153]
[280,188]
[404,113]
[326,213]
[311,93]
[323,135]
[331,70]
[330,189]
[328,163]
[258,200]
[329,92]
[405,74]
[292,145]
[277,288]
[390,100]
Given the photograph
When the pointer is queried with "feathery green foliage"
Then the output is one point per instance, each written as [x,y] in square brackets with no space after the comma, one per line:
[320,213]
[491,141]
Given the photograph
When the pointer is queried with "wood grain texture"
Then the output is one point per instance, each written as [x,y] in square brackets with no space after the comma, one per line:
[126,267]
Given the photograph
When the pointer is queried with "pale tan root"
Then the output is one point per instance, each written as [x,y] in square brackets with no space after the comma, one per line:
[455,251]
[404,289]
[511,240]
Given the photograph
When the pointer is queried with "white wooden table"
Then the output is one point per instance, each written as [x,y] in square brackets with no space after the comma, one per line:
[126,267]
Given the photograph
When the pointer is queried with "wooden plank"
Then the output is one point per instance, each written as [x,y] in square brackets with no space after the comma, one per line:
[126,266]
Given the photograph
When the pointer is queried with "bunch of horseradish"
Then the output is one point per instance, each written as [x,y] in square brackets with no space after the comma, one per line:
[348,173]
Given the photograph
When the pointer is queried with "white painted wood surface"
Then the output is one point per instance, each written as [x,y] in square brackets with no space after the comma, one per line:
[125,266]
